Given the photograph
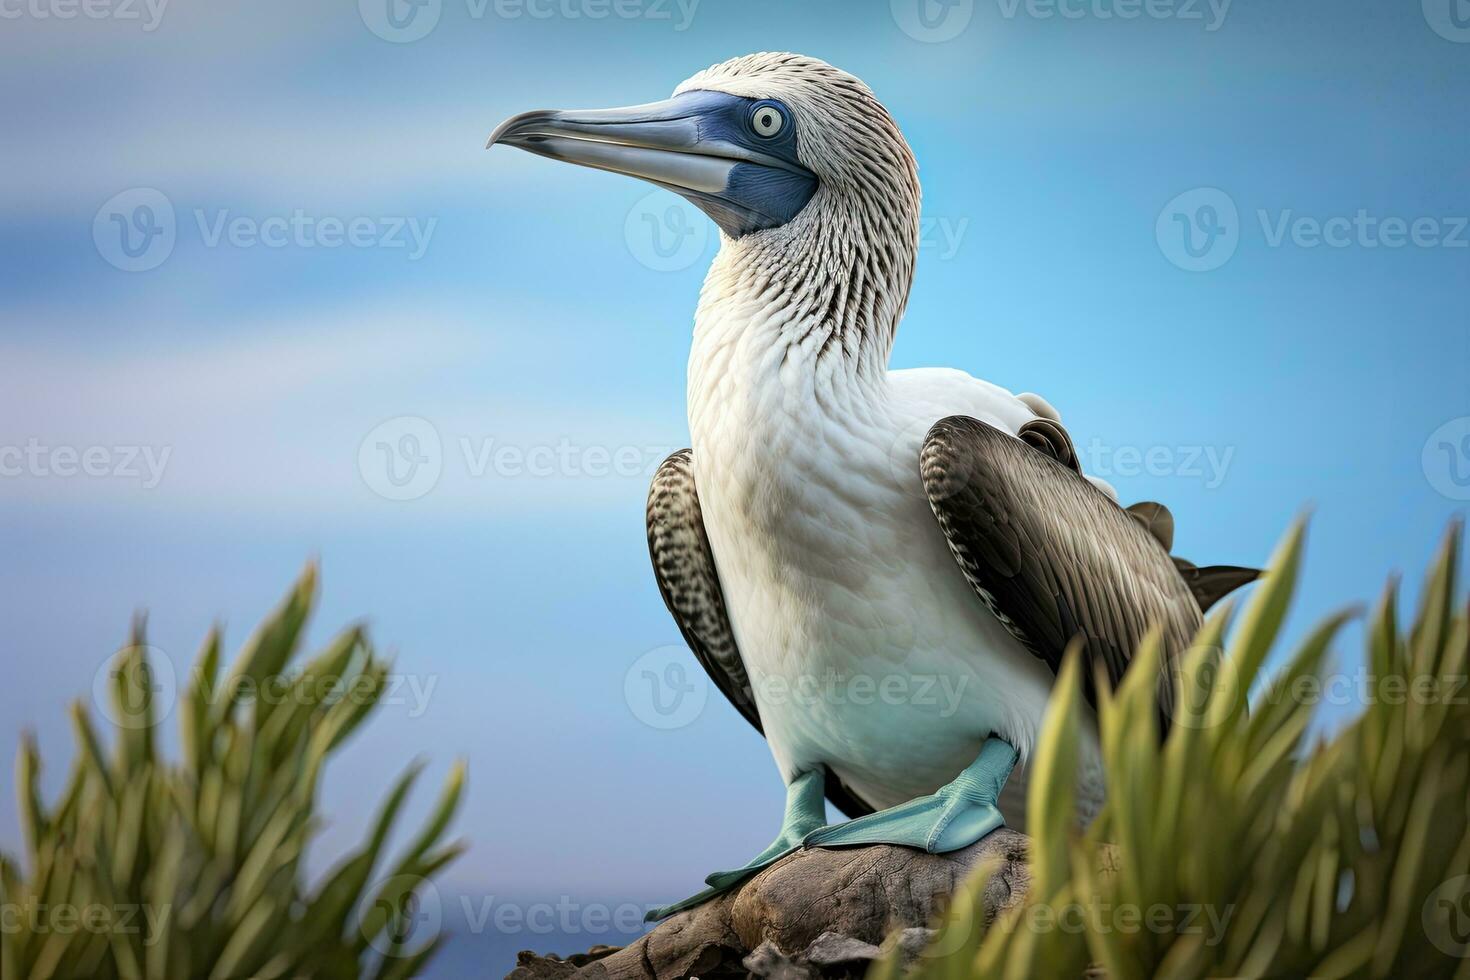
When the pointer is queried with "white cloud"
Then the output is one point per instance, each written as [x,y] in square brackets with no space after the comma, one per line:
[272,418]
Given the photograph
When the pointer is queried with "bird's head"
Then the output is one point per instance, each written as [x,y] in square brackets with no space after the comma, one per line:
[771,146]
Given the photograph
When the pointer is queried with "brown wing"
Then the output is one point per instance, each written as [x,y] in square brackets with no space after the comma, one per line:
[1053,556]
[684,566]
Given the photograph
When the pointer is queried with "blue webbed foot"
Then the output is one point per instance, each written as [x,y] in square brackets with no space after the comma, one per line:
[960,813]
[957,815]
[805,812]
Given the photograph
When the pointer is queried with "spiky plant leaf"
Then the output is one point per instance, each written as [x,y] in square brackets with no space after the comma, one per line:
[211,851]
[1350,857]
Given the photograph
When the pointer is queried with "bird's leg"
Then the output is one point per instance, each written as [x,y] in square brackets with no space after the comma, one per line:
[957,815]
[805,812]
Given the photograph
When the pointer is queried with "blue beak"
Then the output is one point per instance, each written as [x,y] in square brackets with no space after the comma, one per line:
[702,145]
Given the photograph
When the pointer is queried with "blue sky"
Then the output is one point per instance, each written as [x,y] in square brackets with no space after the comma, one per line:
[521,310]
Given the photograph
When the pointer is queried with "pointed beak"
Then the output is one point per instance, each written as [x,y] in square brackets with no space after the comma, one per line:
[653,142]
[691,144]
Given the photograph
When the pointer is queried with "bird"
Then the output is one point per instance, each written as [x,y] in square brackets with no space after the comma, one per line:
[880,569]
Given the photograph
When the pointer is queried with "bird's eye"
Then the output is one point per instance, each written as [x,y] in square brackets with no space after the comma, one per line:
[767,120]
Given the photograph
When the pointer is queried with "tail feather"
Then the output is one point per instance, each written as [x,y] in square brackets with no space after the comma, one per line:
[1212,583]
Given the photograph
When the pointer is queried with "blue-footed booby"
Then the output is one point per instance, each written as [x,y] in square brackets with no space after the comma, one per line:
[843,540]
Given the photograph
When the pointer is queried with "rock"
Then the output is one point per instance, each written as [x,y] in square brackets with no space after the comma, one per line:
[530,966]
[770,963]
[831,949]
[814,914]
[911,942]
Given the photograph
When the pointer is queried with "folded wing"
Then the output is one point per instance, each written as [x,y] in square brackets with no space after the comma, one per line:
[1054,557]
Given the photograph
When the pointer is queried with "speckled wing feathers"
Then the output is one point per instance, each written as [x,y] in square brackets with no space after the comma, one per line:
[685,569]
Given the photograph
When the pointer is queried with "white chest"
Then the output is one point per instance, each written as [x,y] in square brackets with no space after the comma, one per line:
[866,648]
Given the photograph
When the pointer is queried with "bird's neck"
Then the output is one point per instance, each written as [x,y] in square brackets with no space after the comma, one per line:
[806,314]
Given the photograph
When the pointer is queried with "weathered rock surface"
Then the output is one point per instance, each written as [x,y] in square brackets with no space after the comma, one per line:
[816,913]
